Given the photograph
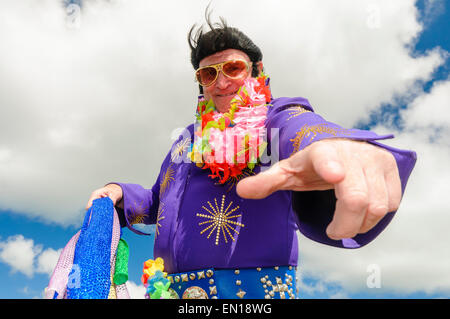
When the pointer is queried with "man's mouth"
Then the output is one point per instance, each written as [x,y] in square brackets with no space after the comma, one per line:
[227,95]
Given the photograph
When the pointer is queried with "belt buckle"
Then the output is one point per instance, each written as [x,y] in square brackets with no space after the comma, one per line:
[194,285]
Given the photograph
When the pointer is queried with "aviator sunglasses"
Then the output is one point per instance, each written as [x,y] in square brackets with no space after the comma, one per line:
[233,69]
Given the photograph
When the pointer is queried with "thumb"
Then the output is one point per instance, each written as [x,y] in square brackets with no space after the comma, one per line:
[263,184]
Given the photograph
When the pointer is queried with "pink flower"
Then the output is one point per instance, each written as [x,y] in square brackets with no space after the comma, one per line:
[254,91]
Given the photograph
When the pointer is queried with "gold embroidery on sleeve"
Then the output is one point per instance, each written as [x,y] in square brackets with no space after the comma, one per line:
[138,213]
[179,149]
[296,111]
[159,218]
[312,131]
[166,179]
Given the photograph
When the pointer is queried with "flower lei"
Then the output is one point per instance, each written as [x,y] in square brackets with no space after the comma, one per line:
[154,279]
[228,143]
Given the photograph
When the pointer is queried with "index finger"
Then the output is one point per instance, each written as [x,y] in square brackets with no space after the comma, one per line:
[323,158]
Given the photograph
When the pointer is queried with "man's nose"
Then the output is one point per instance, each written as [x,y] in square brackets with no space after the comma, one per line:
[222,81]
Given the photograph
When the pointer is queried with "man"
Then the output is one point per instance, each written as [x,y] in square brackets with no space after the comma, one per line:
[227,229]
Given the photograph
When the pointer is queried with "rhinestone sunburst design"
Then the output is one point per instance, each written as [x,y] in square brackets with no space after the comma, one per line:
[220,220]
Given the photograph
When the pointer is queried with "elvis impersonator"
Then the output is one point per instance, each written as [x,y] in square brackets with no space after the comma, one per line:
[226,217]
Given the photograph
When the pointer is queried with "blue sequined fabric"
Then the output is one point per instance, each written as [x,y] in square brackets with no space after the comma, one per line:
[245,283]
[93,252]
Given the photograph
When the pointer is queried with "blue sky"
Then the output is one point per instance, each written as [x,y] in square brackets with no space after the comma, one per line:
[47,234]
[435,33]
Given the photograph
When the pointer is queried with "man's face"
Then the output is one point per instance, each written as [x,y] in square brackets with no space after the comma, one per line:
[224,89]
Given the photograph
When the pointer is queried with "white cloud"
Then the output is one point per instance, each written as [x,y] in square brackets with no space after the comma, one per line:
[83,107]
[432,10]
[310,289]
[135,291]
[412,251]
[46,261]
[24,256]
[19,253]
[429,112]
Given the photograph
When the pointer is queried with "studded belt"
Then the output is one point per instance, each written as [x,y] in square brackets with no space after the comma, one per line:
[246,283]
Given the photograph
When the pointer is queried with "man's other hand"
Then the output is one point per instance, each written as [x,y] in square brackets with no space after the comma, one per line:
[113,191]
[364,177]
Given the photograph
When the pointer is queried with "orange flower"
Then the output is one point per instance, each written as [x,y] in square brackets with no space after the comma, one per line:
[206,118]
[150,267]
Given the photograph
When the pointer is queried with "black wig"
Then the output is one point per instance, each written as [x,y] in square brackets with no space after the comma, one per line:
[221,37]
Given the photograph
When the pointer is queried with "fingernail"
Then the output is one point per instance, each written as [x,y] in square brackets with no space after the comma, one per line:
[330,231]
[335,166]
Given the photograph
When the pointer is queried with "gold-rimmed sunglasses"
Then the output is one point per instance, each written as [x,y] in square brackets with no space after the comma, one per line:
[233,69]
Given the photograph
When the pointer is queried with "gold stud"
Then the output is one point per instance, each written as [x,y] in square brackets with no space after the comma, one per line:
[184,278]
[201,275]
[263,280]
[170,279]
[213,290]
[236,271]
[241,293]
[177,278]
[192,276]
[238,282]
[211,281]
[276,267]
[258,269]
[209,273]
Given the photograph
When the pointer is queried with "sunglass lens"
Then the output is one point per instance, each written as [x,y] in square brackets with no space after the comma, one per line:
[234,68]
[206,76]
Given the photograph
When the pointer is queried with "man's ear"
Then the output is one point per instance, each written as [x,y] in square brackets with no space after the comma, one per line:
[260,67]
